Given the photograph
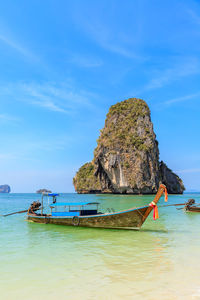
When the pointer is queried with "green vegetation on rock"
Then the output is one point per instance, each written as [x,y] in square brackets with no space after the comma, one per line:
[121,125]
[85,180]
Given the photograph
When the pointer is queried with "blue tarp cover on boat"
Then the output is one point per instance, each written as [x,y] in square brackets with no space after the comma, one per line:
[72,203]
[65,214]
[52,195]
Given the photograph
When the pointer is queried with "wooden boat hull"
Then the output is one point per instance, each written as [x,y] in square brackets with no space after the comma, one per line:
[193,209]
[129,219]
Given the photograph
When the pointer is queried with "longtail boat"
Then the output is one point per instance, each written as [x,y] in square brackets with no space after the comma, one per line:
[86,214]
[190,206]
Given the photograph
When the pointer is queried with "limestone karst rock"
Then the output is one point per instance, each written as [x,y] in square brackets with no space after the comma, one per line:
[126,159]
[41,191]
[5,188]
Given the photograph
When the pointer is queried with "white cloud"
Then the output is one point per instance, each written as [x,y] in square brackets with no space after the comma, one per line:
[197,170]
[106,31]
[183,69]
[35,95]
[8,118]
[182,99]
[85,61]
[61,98]
[16,46]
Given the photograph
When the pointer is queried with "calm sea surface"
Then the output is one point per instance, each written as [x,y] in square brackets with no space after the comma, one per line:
[161,261]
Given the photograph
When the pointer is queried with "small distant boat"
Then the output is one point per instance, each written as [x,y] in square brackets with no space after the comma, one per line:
[86,214]
[190,206]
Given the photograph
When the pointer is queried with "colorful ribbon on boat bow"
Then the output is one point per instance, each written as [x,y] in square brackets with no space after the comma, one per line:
[166,195]
[155,210]
[154,205]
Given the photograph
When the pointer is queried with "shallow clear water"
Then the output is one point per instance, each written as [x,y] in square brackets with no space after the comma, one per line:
[39,261]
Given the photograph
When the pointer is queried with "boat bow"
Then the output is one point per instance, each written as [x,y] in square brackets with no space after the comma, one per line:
[153,205]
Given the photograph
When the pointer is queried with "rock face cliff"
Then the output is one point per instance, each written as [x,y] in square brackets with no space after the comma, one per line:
[126,159]
[5,188]
[173,183]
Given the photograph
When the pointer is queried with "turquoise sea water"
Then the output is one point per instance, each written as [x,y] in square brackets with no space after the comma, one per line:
[161,261]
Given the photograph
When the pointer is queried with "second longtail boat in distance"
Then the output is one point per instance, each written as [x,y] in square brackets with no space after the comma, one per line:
[86,214]
[191,206]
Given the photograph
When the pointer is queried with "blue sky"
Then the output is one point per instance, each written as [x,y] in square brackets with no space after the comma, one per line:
[63,63]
